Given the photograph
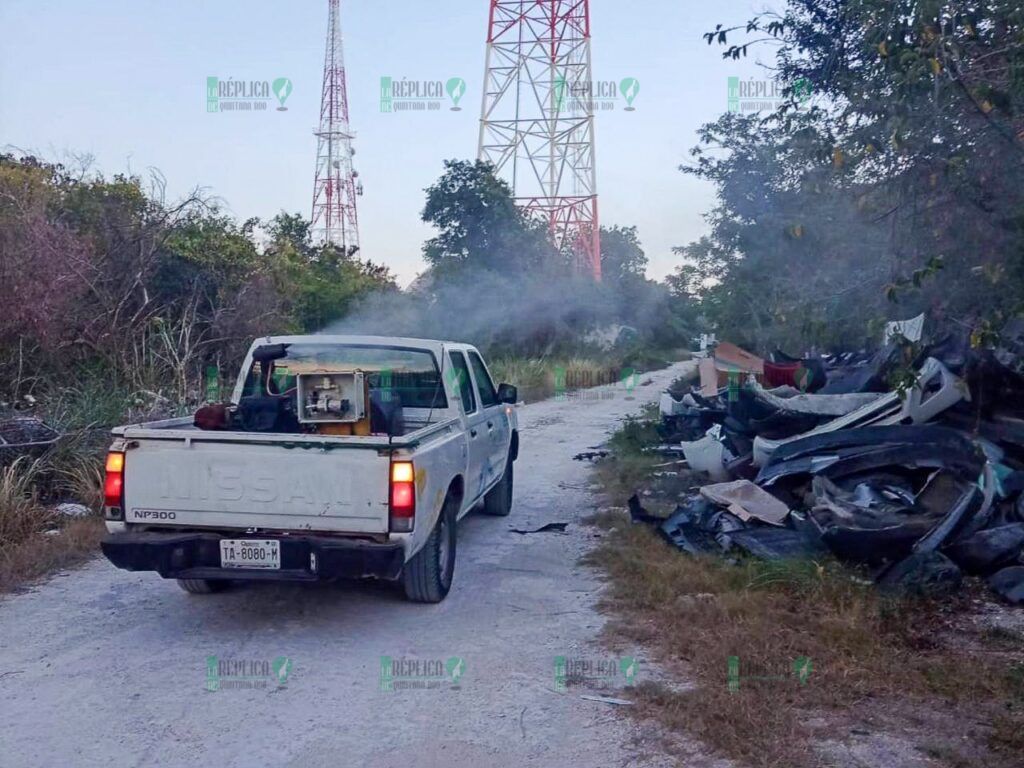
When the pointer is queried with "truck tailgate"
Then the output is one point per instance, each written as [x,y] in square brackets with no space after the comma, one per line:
[213,484]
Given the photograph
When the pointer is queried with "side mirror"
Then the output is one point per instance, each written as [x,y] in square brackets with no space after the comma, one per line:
[508,394]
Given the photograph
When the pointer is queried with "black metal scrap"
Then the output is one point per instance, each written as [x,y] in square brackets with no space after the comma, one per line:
[26,436]
[1009,584]
[950,451]
[987,550]
[873,436]
[769,543]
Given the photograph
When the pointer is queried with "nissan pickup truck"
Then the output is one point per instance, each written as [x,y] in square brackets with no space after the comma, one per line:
[336,457]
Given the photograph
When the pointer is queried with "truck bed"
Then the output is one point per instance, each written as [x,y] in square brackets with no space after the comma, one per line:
[178,475]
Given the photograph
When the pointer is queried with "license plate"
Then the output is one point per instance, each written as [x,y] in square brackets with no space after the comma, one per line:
[250,553]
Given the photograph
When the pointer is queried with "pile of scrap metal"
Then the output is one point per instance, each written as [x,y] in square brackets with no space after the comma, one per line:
[920,487]
[25,436]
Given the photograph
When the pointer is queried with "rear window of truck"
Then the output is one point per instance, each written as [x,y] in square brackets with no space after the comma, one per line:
[411,374]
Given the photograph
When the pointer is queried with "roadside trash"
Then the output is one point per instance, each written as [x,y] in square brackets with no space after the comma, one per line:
[26,436]
[930,574]
[777,543]
[558,527]
[746,501]
[69,509]
[708,455]
[924,486]
[1009,584]
[908,329]
[590,455]
[987,550]
[637,513]
[608,700]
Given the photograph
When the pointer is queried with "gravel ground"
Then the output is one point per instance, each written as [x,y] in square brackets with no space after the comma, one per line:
[99,667]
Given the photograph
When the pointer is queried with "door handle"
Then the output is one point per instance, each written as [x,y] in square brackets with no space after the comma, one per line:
[472,433]
[490,425]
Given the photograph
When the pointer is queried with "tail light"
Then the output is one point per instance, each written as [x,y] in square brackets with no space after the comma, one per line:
[113,485]
[402,494]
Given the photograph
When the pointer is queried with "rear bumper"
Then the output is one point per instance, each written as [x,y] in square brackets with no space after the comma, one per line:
[197,556]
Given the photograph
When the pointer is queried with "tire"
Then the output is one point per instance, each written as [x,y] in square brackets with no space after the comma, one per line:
[498,501]
[202,586]
[427,577]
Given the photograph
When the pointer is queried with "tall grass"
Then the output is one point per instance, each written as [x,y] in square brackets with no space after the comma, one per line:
[541,377]
[21,514]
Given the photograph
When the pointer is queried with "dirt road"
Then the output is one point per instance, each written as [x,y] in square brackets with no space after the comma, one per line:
[99,667]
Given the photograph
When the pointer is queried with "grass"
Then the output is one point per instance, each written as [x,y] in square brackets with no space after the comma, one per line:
[21,514]
[34,539]
[41,554]
[539,378]
[873,658]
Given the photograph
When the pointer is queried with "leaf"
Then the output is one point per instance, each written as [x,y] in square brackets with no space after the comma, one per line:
[936,66]
[883,49]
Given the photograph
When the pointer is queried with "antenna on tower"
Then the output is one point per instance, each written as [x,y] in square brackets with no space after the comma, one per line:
[334,217]
[537,119]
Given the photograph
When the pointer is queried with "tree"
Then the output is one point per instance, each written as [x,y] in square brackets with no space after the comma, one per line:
[106,275]
[622,258]
[480,225]
[899,181]
[320,283]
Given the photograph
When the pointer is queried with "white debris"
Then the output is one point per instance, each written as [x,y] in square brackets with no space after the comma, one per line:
[70,509]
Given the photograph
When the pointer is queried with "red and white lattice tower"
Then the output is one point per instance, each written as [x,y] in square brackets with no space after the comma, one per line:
[334,192]
[537,120]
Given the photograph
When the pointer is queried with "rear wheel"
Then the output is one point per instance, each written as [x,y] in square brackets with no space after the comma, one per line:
[498,501]
[202,586]
[427,577]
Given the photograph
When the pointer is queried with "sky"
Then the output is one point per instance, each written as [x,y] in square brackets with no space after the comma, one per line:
[125,83]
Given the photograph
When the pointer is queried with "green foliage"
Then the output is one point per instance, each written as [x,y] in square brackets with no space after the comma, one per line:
[636,433]
[899,181]
[480,225]
[107,281]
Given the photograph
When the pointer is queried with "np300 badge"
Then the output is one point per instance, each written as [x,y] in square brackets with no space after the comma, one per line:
[153,514]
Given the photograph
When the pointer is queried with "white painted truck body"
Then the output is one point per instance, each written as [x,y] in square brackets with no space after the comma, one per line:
[178,478]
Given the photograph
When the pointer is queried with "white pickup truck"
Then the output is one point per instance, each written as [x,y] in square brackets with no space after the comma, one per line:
[338,456]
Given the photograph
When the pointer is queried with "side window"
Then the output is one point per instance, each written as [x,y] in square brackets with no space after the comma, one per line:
[461,374]
[488,395]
